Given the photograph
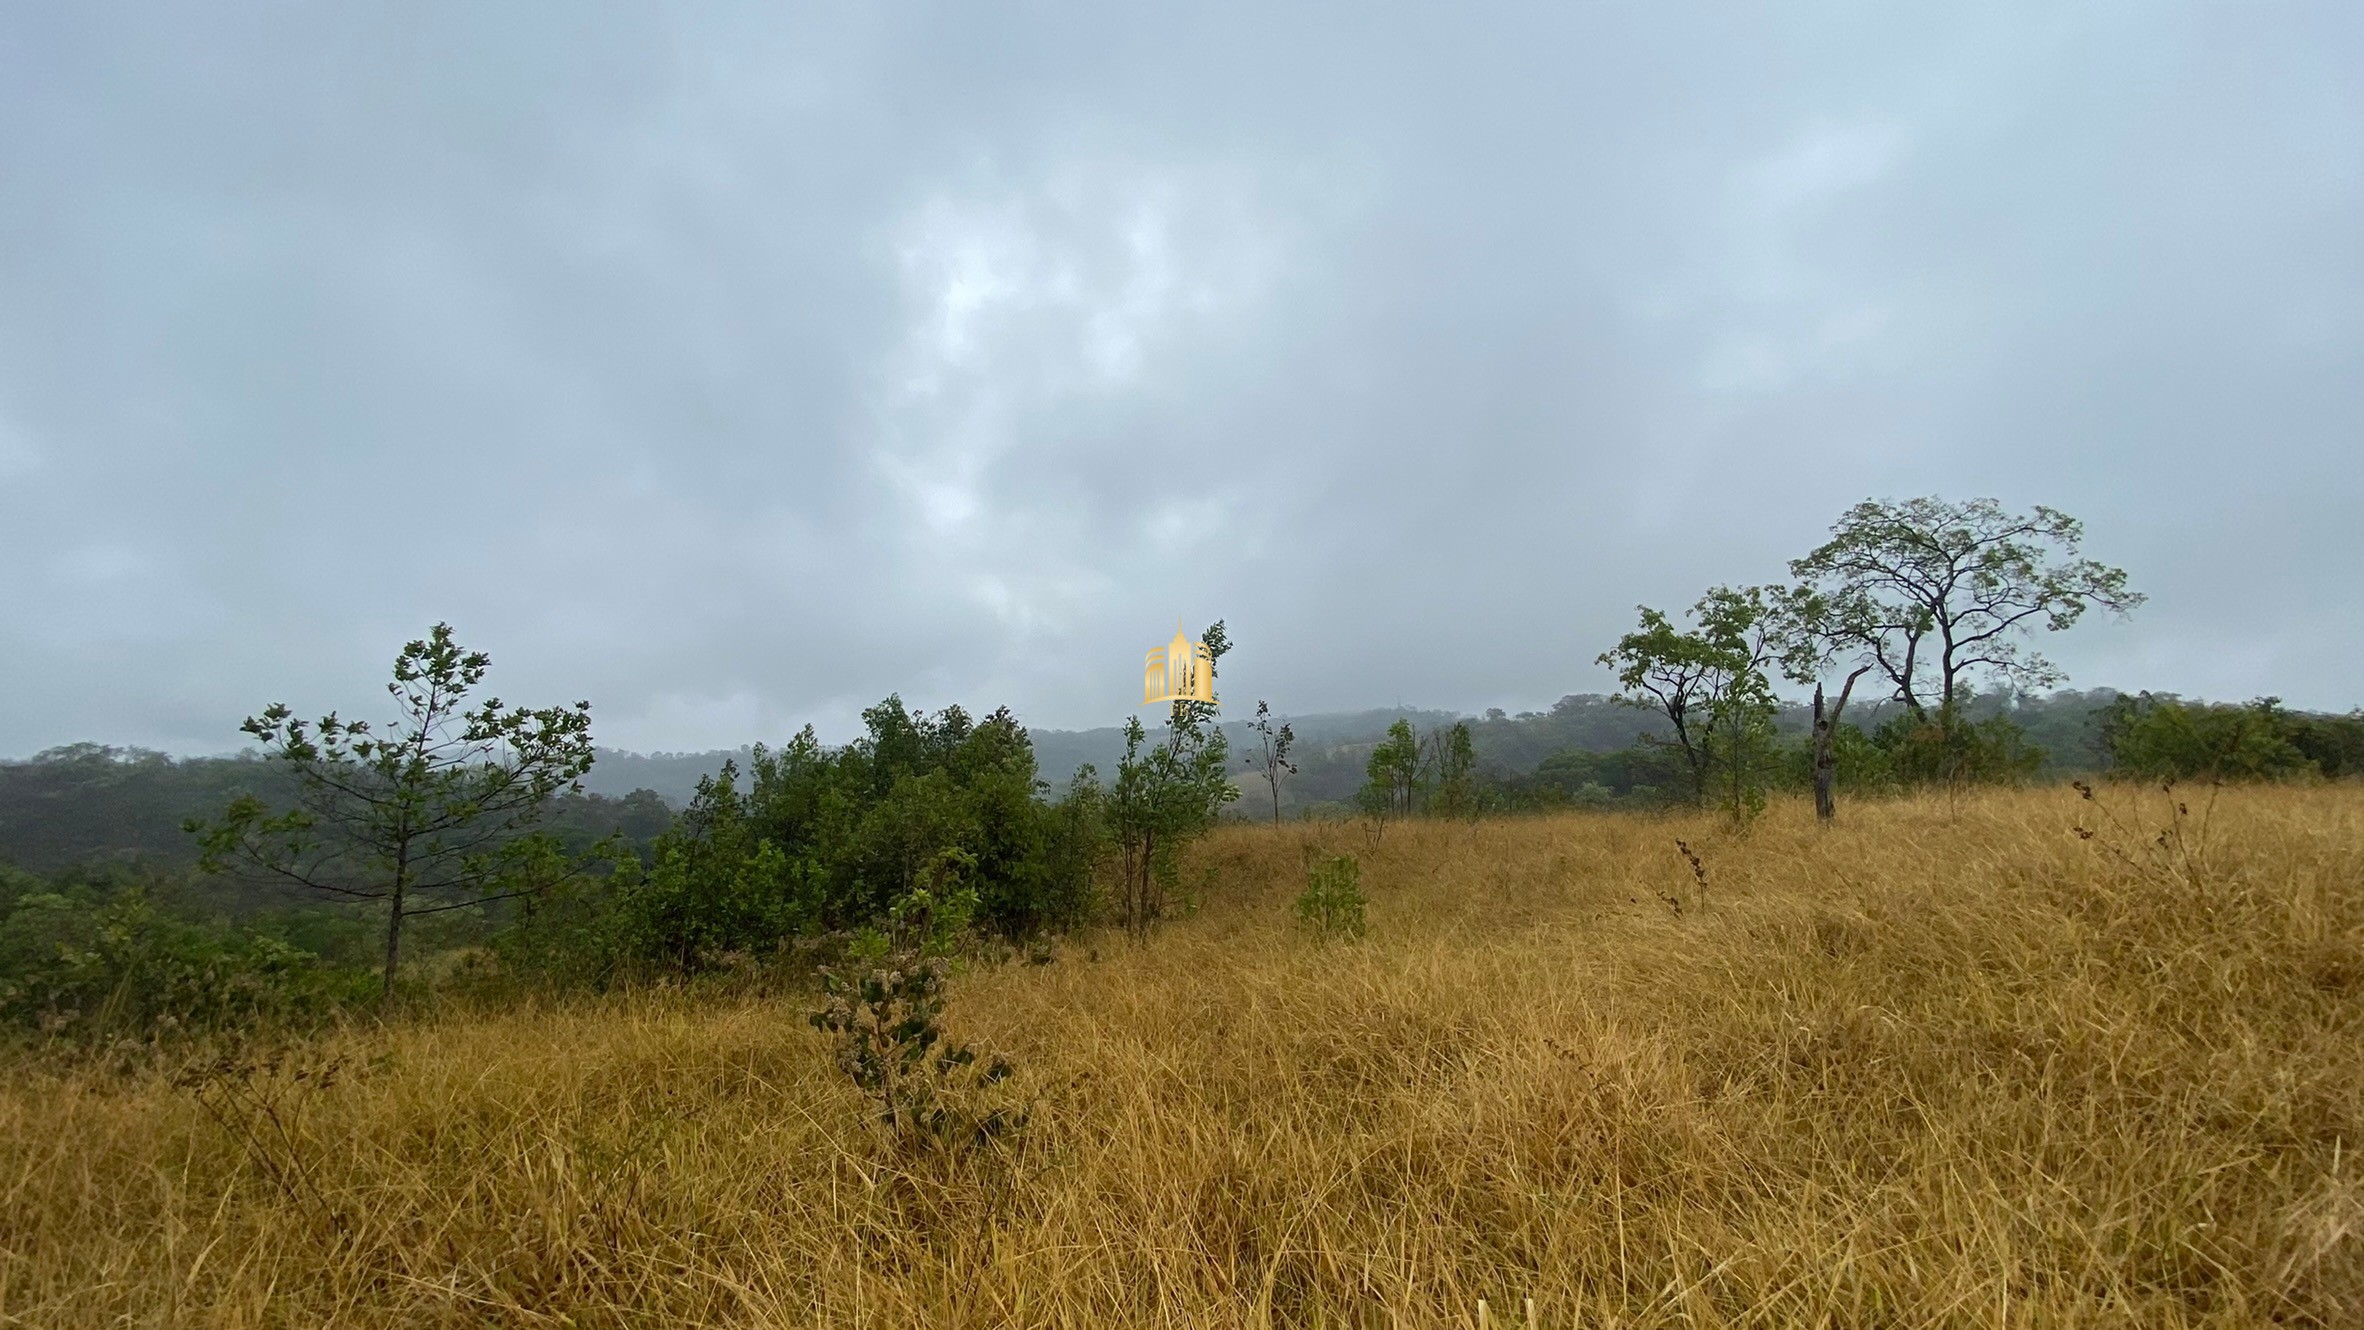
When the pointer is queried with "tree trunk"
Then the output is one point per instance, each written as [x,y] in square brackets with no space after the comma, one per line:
[1826,760]
[1825,765]
[1695,759]
[1739,771]
[394,935]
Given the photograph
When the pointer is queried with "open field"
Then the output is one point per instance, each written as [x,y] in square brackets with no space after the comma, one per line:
[1944,1065]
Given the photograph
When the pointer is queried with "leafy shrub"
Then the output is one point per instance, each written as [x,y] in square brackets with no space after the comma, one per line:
[890,1042]
[815,840]
[1863,765]
[2335,744]
[1332,902]
[92,962]
[1993,751]
[2160,737]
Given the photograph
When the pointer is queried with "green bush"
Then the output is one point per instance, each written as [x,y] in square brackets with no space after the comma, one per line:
[92,961]
[816,840]
[2335,744]
[886,1017]
[2162,737]
[1332,902]
[1922,751]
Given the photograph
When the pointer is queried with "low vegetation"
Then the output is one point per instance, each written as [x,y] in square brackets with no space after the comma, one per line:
[1948,1062]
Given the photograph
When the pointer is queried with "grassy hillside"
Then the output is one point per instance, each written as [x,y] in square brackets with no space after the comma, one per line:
[1947,1064]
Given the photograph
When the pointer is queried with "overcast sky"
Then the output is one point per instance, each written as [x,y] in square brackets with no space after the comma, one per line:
[734,366]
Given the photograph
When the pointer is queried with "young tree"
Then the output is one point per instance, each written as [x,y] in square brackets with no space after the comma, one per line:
[1275,741]
[1190,724]
[1665,669]
[1392,779]
[1751,633]
[1711,682]
[440,811]
[1167,795]
[1937,595]
[1450,766]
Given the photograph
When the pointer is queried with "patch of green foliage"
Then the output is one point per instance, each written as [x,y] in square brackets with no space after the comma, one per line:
[92,957]
[886,1019]
[816,840]
[2158,736]
[1333,902]
[890,1042]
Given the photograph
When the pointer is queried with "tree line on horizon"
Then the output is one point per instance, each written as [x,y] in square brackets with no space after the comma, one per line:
[461,830]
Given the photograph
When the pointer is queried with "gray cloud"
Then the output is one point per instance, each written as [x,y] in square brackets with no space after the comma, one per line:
[732,369]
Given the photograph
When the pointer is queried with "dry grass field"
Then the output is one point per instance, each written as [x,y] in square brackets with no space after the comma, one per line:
[1946,1064]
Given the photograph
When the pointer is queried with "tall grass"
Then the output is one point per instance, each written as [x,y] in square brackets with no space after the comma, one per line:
[1945,1064]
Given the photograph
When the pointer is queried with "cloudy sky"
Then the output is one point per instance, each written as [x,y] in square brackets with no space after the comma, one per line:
[731,366]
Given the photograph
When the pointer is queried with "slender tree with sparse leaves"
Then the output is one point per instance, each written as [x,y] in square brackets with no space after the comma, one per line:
[439,810]
[1166,795]
[1448,760]
[1275,741]
[1391,781]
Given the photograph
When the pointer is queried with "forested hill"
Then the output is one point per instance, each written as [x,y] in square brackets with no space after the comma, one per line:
[1058,754]
[88,802]
[1577,722]
[91,804]
[1508,744]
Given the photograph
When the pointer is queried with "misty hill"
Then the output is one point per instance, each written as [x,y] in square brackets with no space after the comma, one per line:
[93,804]
[1333,746]
[88,802]
[1058,754]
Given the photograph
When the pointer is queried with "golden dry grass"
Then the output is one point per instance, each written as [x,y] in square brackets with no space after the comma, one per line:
[1943,1065]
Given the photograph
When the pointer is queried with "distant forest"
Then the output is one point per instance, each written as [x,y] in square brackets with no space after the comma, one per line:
[87,802]
[1333,747]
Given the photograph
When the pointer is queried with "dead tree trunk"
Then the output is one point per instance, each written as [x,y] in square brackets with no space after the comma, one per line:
[1826,759]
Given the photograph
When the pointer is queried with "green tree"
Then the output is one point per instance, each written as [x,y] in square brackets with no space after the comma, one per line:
[2160,736]
[1712,683]
[1937,596]
[1273,760]
[1449,764]
[1167,795]
[1391,781]
[439,811]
